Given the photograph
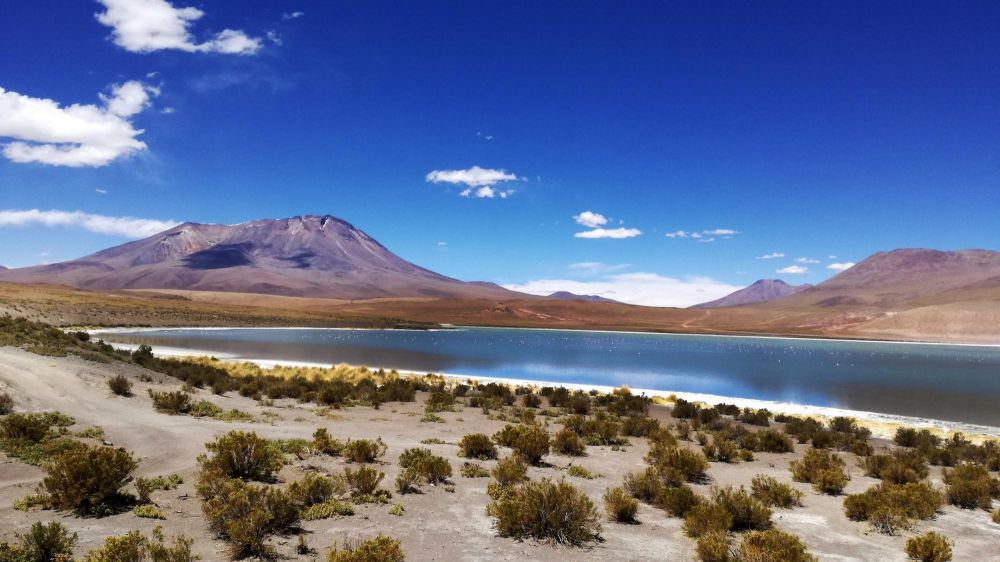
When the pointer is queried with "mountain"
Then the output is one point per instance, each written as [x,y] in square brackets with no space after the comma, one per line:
[568,296]
[905,278]
[765,290]
[306,256]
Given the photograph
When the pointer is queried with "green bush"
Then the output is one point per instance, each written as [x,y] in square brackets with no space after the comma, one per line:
[313,488]
[713,547]
[891,507]
[546,510]
[969,486]
[243,455]
[422,467]
[89,480]
[821,468]
[922,439]
[620,506]
[147,511]
[173,402]
[929,547]
[364,450]
[705,518]
[646,486]
[325,444]
[144,487]
[246,515]
[120,385]
[748,513]
[6,404]
[473,470]
[900,467]
[508,472]
[676,465]
[567,442]
[46,542]
[364,481]
[771,441]
[130,547]
[327,510]
[477,446]
[639,427]
[528,441]
[772,546]
[678,501]
[379,549]
[178,551]
[23,429]
[774,493]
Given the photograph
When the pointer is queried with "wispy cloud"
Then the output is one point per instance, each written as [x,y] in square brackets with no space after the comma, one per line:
[771,256]
[128,227]
[100,191]
[292,15]
[616,233]
[793,270]
[75,135]
[472,177]
[590,219]
[588,268]
[648,289]
[707,235]
[144,26]
[841,266]
[806,260]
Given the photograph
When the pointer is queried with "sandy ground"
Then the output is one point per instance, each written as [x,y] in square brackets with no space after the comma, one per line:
[436,525]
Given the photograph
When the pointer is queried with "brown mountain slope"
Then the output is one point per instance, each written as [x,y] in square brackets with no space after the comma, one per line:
[765,290]
[309,256]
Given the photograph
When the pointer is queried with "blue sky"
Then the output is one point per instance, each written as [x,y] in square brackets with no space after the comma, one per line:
[809,129]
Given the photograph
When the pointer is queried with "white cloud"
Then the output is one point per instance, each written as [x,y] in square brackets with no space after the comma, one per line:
[75,135]
[806,260]
[442,243]
[590,219]
[292,15]
[486,192]
[128,227]
[721,232]
[167,110]
[771,256]
[707,235]
[647,289]
[274,37]
[609,233]
[793,270]
[101,191]
[840,266]
[597,268]
[144,26]
[471,177]
[678,234]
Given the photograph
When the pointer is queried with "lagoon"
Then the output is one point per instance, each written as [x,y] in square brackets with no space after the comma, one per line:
[952,383]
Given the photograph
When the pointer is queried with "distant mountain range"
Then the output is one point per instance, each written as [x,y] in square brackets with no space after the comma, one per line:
[568,296]
[306,256]
[765,290]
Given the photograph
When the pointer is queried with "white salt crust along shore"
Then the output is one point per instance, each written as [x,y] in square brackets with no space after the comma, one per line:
[881,425]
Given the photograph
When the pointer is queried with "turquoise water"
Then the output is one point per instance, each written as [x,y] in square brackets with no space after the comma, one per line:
[941,382]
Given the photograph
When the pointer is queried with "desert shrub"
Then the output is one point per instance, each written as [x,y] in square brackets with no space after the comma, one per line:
[677,465]
[900,467]
[89,480]
[713,547]
[759,417]
[721,450]
[774,493]
[323,443]
[425,466]
[910,437]
[178,551]
[46,542]
[705,518]
[473,470]
[246,515]
[996,516]
[379,549]
[148,511]
[772,441]
[821,468]
[530,442]
[662,437]
[602,429]
[929,547]
[969,486]
[439,401]
[772,545]
[313,488]
[531,400]
[477,446]
[130,547]
[683,409]
[206,409]
[620,506]
[646,486]
[364,450]
[120,385]
[243,455]
[23,429]
[578,471]
[567,442]
[891,507]
[328,509]
[546,510]
[748,513]
[508,472]
[364,481]
[171,402]
[678,501]
[6,404]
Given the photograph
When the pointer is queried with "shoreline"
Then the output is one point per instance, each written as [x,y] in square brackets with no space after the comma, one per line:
[882,425]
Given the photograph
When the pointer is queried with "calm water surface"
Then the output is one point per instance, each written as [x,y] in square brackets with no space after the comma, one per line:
[943,382]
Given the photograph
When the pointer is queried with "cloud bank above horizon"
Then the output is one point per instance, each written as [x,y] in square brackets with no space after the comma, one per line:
[127,227]
[641,288]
